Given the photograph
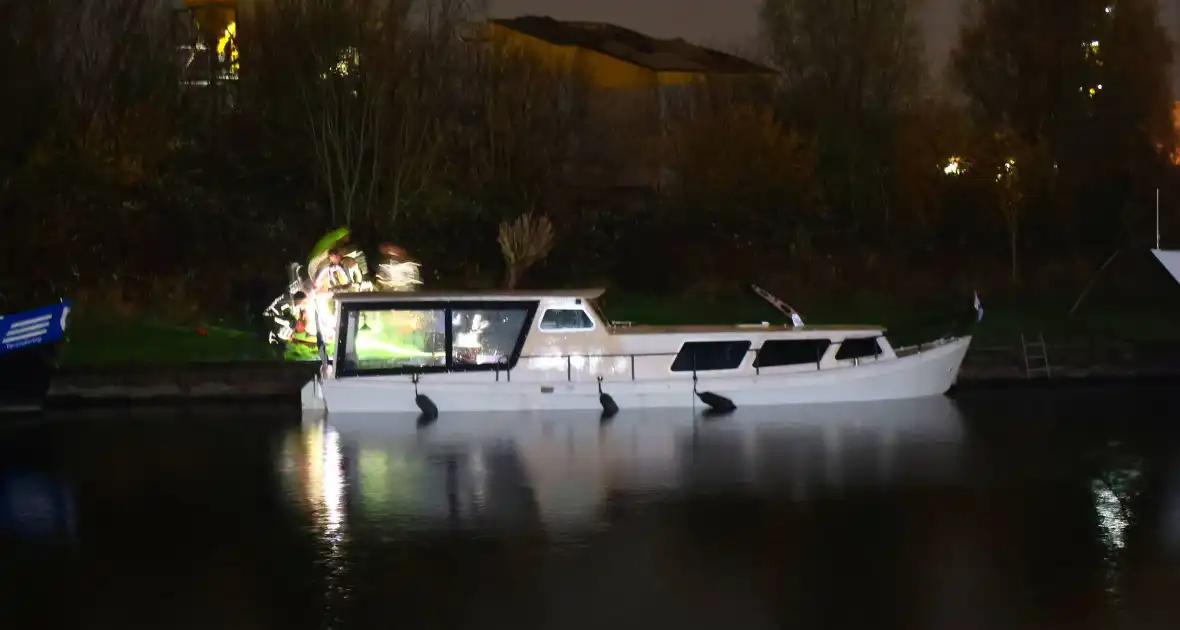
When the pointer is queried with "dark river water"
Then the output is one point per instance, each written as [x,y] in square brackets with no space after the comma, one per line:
[1000,509]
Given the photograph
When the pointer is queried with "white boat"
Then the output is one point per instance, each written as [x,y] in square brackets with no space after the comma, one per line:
[437,351]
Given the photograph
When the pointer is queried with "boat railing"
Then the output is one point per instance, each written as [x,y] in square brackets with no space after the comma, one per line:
[569,362]
[919,348]
[504,369]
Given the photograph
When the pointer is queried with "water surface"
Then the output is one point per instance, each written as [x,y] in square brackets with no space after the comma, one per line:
[1019,509]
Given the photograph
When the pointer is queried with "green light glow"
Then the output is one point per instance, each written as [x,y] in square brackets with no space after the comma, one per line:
[376,349]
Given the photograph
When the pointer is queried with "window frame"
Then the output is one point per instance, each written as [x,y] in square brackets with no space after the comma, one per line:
[559,331]
[448,307]
[822,344]
[748,343]
[530,312]
[859,357]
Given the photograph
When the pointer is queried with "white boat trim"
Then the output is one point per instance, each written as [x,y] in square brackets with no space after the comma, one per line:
[584,363]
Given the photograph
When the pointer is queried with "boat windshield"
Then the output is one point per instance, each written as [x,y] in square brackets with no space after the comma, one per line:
[392,339]
[410,337]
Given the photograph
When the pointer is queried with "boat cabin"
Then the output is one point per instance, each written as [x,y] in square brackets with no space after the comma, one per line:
[562,336]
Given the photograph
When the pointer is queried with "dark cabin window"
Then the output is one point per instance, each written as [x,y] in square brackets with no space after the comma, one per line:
[780,352]
[858,348]
[488,336]
[566,319]
[710,355]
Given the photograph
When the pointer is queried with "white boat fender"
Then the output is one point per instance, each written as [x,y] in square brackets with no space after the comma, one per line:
[609,406]
[425,405]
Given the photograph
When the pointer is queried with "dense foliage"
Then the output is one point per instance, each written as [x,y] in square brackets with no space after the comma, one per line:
[127,184]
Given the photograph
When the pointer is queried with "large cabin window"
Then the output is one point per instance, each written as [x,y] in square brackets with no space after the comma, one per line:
[394,339]
[565,319]
[784,352]
[488,336]
[858,348]
[422,337]
[703,356]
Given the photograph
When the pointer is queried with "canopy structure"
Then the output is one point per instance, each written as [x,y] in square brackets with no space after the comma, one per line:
[1170,259]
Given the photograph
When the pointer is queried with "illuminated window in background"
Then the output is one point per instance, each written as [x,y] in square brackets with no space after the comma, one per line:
[486,336]
[227,48]
[395,339]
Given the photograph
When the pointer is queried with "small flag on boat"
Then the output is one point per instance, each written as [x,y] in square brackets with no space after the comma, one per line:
[978,308]
[796,320]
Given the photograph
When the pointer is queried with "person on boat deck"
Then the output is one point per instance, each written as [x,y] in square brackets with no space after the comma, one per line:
[355,275]
[333,276]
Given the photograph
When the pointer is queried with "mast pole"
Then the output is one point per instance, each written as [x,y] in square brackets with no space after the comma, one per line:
[1157,218]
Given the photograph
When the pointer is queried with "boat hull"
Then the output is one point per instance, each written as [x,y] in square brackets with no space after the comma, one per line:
[25,376]
[928,373]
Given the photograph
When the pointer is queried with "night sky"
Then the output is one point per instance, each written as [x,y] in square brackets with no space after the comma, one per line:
[726,23]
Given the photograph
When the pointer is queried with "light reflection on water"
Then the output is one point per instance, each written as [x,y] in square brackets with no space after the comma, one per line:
[1002,510]
[469,470]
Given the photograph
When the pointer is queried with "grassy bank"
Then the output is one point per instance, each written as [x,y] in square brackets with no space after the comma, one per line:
[148,341]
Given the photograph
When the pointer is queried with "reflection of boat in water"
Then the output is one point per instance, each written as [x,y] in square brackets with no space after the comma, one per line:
[459,351]
[36,501]
[557,470]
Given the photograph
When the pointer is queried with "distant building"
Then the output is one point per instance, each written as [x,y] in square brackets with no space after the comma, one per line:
[631,85]
[206,36]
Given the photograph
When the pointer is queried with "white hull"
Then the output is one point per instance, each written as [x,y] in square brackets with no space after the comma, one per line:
[927,373]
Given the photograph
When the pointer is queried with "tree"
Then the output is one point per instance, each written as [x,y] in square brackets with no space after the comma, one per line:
[931,142]
[850,67]
[370,82]
[90,114]
[1002,167]
[335,62]
[512,139]
[747,173]
[523,243]
[1090,77]
[105,78]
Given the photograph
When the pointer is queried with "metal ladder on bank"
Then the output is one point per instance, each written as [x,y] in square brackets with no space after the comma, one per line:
[1036,356]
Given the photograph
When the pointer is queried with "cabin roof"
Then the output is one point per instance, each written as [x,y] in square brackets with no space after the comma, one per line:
[441,295]
[659,55]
